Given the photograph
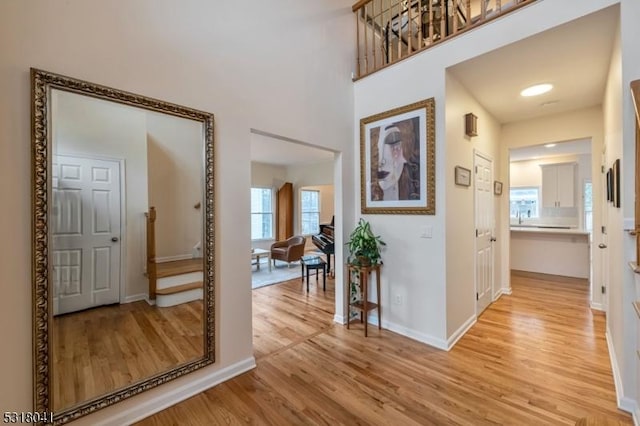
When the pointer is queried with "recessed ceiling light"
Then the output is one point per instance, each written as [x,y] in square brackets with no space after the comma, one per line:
[536,90]
[550,145]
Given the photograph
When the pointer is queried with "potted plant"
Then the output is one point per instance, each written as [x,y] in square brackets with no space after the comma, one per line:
[364,246]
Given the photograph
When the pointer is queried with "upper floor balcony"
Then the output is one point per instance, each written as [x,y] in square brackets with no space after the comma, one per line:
[391,30]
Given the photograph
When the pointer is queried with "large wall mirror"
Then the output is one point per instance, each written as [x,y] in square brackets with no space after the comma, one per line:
[123,244]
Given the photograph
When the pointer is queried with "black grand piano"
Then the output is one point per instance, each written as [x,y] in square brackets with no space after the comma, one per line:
[325,242]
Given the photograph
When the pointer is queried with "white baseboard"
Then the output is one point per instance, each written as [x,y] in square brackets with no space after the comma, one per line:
[506,291]
[412,334]
[624,403]
[596,306]
[167,399]
[174,258]
[498,295]
[451,341]
[137,298]
[340,319]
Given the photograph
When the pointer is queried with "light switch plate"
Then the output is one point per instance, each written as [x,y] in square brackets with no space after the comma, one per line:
[426,232]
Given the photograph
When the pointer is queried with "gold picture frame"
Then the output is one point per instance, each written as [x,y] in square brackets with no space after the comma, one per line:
[397,160]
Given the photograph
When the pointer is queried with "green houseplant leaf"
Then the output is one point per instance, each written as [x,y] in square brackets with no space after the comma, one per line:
[364,246]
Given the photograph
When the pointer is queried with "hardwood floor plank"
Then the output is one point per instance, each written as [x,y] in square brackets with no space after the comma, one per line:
[105,348]
[536,357]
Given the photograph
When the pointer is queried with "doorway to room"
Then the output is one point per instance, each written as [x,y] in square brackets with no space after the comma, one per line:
[551,207]
[292,201]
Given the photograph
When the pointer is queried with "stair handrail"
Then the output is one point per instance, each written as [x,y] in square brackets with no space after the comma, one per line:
[151,252]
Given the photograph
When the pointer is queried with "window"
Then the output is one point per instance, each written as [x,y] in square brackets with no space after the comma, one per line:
[588,206]
[523,202]
[261,213]
[310,209]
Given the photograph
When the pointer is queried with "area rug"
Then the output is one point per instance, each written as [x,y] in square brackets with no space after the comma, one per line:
[279,273]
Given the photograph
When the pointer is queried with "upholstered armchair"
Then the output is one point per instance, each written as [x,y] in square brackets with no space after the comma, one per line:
[289,250]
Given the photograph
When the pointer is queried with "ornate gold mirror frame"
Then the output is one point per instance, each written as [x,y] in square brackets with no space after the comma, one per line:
[42,82]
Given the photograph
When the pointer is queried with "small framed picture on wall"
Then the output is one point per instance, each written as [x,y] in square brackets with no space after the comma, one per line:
[462,176]
[497,187]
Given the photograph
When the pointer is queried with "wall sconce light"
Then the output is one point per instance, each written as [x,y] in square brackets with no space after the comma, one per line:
[470,125]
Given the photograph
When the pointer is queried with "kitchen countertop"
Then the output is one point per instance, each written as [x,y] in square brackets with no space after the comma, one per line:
[571,231]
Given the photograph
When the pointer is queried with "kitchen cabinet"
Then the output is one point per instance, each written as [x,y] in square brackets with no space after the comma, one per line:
[558,185]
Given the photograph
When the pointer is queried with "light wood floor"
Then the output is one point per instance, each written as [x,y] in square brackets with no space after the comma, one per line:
[102,349]
[534,358]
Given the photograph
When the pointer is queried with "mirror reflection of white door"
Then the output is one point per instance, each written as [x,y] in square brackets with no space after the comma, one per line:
[85,230]
[484,219]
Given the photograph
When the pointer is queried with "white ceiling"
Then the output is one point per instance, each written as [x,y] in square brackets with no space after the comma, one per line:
[581,146]
[281,151]
[573,57]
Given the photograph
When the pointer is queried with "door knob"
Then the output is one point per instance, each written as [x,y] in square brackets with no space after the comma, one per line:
[602,245]
[114,239]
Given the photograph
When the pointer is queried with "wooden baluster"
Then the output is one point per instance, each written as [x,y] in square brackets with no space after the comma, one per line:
[366,45]
[383,47]
[498,6]
[373,34]
[468,8]
[454,15]
[410,28]
[483,10]
[443,20]
[151,251]
[399,55]
[419,25]
[430,11]
[358,48]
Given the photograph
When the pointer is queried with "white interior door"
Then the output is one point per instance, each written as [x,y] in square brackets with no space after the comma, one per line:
[85,230]
[484,218]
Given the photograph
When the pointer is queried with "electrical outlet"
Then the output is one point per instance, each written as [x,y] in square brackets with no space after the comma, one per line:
[398,299]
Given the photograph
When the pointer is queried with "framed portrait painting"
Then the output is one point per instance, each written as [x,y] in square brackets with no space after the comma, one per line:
[397,160]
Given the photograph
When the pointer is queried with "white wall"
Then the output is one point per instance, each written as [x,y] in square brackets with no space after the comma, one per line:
[176,169]
[460,226]
[414,267]
[630,34]
[620,318]
[235,59]
[267,175]
[86,126]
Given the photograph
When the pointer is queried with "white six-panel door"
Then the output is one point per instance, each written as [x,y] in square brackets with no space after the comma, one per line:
[85,229]
[484,218]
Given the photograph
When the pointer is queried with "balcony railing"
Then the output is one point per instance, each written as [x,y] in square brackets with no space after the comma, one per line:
[391,30]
